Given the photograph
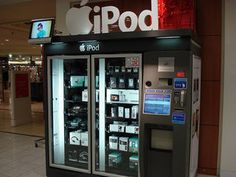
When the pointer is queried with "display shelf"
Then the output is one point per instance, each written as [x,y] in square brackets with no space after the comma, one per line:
[122,133]
[79,88]
[75,108]
[76,114]
[125,153]
[126,172]
[122,169]
[120,95]
[72,101]
[121,119]
[122,102]
[126,88]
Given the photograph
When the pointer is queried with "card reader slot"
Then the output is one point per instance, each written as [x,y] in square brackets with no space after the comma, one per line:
[166,81]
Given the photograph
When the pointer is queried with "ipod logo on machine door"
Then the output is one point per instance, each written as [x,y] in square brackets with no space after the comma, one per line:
[89,47]
[78,22]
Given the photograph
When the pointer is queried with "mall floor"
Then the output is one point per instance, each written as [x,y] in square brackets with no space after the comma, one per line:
[34,128]
[18,155]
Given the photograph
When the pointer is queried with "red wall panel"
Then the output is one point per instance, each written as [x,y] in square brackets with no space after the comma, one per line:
[209,22]
[211,57]
[210,103]
[208,149]
[209,17]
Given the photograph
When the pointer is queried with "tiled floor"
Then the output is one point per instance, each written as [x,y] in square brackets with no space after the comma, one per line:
[19,157]
[34,128]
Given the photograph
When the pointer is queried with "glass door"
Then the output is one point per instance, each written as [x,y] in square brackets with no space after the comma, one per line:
[115,114]
[69,121]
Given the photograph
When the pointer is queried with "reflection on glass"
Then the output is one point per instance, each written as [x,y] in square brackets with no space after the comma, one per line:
[70,113]
[117,127]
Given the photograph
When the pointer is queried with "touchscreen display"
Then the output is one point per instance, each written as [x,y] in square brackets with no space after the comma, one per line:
[157,103]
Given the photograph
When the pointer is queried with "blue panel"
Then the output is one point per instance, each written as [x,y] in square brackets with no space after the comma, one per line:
[180,83]
[178,118]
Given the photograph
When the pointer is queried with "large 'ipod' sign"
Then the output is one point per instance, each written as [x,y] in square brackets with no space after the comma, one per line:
[77,19]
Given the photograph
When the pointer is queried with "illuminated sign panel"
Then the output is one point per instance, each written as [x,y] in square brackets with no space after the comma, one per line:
[78,19]
[126,16]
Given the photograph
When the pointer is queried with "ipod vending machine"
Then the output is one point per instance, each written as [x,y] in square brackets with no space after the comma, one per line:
[122,105]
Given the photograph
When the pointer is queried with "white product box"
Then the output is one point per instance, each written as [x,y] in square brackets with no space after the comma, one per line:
[85,95]
[128,96]
[123,143]
[75,137]
[117,127]
[97,95]
[134,112]
[84,138]
[113,142]
[120,111]
[131,83]
[113,112]
[127,113]
[134,129]
[114,127]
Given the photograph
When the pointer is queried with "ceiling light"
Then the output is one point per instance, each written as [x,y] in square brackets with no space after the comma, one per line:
[7,40]
[2,43]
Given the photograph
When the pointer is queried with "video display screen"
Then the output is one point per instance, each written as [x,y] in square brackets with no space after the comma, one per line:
[157,103]
[41,29]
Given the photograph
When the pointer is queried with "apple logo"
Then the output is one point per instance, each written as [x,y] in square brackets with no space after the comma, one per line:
[77,19]
[82,48]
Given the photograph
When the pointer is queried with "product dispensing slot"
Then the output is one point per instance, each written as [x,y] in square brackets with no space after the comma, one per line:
[159,150]
[161,140]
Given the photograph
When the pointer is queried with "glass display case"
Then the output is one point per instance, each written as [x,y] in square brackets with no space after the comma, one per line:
[115,88]
[114,103]
[69,108]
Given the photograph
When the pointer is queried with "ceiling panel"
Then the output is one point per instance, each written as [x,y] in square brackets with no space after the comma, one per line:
[10,2]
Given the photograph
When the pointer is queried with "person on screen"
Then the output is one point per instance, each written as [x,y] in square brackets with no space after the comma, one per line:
[41,32]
